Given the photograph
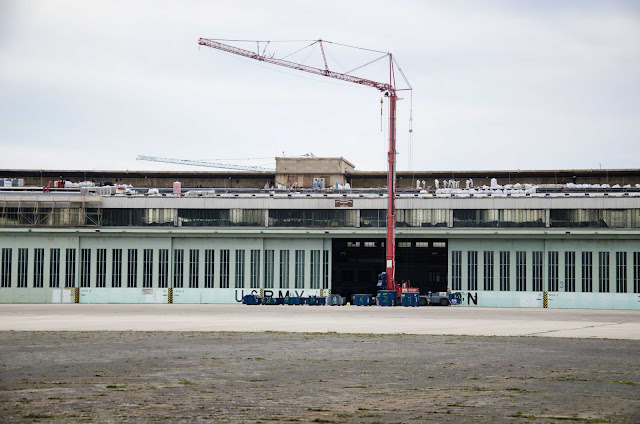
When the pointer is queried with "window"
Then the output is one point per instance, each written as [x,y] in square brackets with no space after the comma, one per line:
[440,244]
[85,268]
[607,218]
[312,218]
[552,276]
[505,257]
[6,267]
[353,244]
[621,272]
[116,268]
[239,277]
[137,217]
[101,271]
[498,218]
[404,244]
[422,244]
[419,218]
[537,271]
[54,268]
[456,270]
[194,268]
[587,272]
[132,268]
[178,268]
[370,244]
[603,272]
[570,271]
[472,270]
[325,269]
[23,263]
[284,269]
[315,268]
[208,268]
[163,268]
[254,282]
[299,275]
[38,268]
[70,268]
[224,269]
[636,272]
[268,269]
[488,270]
[147,268]
[521,271]
[221,217]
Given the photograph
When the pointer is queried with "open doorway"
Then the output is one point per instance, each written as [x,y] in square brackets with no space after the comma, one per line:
[356,264]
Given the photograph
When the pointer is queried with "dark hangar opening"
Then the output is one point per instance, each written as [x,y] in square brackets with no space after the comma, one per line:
[356,264]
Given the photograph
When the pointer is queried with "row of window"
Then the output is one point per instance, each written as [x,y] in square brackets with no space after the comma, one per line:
[319,218]
[128,276]
[569,284]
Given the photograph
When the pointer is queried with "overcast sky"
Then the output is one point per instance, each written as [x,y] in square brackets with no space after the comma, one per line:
[497,84]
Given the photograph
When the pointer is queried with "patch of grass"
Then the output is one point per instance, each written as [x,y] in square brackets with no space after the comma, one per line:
[317,409]
[519,414]
[37,416]
[515,389]
[116,386]
[185,382]
[630,383]
[362,408]
[322,420]
[257,380]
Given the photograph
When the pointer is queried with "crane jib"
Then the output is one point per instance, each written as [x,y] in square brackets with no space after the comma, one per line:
[293,65]
[390,92]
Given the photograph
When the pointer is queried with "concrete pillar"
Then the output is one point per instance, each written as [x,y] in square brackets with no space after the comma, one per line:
[547,218]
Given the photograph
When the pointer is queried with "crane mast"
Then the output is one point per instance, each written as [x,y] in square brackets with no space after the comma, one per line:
[389,90]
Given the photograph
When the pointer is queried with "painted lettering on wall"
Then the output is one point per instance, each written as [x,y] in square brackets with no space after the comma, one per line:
[267,293]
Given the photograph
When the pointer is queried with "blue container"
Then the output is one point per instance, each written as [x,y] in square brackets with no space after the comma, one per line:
[251,299]
[362,299]
[410,299]
[272,301]
[290,300]
[386,297]
[316,301]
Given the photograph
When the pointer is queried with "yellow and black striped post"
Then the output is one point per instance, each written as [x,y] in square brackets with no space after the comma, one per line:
[545,300]
[76,295]
[321,292]
[170,295]
[261,292]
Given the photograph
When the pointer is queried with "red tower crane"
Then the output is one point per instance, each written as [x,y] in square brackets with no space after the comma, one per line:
[389,89]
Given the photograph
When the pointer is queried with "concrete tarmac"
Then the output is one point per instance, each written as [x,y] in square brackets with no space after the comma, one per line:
[579,323]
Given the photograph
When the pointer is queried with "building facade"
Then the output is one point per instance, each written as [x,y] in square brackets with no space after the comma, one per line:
[495,248]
